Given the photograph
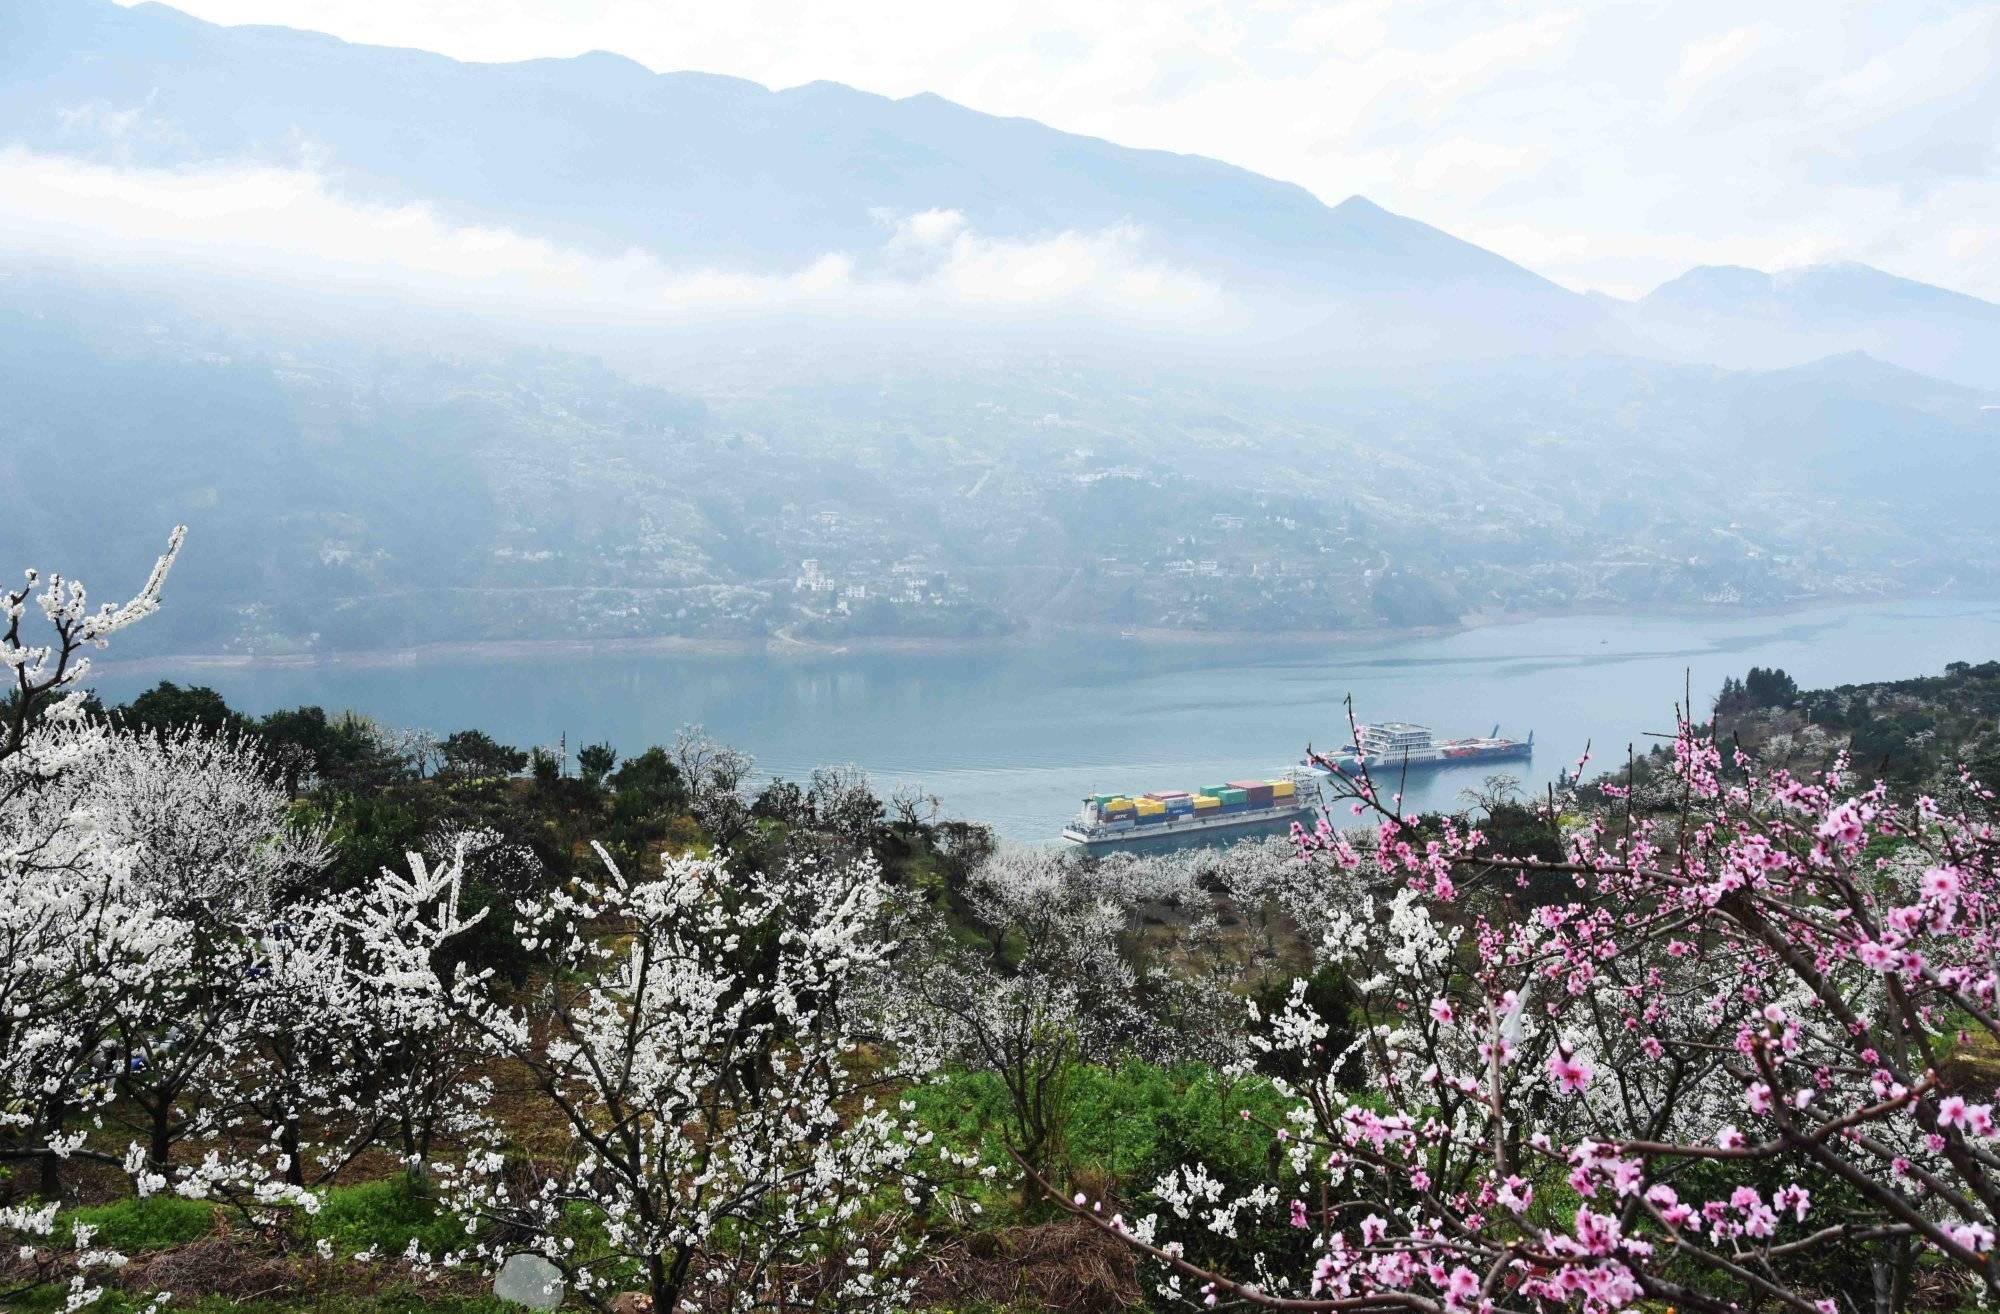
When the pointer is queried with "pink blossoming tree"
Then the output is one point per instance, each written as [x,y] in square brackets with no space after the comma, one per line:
[1716,1071]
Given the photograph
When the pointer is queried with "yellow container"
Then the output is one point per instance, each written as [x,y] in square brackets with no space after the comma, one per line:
[1150,807]
[1283,789]
[1203,802]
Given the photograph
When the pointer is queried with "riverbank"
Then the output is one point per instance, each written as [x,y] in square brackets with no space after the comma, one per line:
[786,646]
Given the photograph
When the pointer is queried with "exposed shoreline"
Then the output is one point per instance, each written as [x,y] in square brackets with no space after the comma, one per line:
[525,650]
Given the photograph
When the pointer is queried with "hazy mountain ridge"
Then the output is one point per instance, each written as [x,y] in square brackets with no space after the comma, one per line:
[598,150]
[349,497]
[1730,315]
[705,170]
[1404,429]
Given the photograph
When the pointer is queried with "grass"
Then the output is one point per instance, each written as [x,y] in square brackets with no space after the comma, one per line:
[1121,1127]
[136,1226]
[385,1217]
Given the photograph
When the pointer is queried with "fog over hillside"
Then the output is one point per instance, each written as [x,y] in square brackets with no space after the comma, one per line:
[639,346]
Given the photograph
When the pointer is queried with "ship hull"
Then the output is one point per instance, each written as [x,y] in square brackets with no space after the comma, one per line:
[1451,757]
[1431,758]
[1167,836]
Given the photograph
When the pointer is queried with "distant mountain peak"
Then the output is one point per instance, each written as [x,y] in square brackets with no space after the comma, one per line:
[611,62]
[1854,315]
[1711,280]
[1835,279]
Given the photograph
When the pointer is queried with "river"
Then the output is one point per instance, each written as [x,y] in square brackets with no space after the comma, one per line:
[1015,735]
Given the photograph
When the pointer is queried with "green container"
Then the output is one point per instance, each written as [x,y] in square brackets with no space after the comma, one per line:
[1232,796]
[1102,799]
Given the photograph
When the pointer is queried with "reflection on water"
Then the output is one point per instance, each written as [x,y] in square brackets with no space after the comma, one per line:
[1015,735]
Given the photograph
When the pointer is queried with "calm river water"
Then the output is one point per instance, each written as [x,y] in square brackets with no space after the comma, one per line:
[1016,735]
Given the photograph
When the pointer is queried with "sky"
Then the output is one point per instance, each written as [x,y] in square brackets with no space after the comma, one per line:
[1608,145]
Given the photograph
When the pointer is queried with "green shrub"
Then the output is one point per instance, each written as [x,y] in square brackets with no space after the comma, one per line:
[135,1226]
[1126,1125]
[386,1216]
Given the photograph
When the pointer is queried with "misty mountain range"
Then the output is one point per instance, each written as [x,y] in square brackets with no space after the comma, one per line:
[1419,429]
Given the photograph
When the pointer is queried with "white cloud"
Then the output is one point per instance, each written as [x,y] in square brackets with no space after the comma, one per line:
[927,230]
[1711,57]
[289,224]
[1467,167]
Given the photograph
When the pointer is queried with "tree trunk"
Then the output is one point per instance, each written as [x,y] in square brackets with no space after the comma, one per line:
[1906,1258]
[162,1138]
[664,1292]
[48,1181]
[669,1280]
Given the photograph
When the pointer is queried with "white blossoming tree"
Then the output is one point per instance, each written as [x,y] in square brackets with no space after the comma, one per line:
[209,847]
[67,959]
[47,677]
[709,1043]
[74,952]
[1047,988]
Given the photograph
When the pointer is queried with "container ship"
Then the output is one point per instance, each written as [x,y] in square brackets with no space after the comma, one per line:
[1392,745]
[1177,818]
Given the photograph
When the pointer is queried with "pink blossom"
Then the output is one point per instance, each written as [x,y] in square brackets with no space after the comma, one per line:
[1571,1075]
[1597,1233]
[1878,957]
[1942,884]
[1976,1237]
[1843,825]
[1795,1198]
